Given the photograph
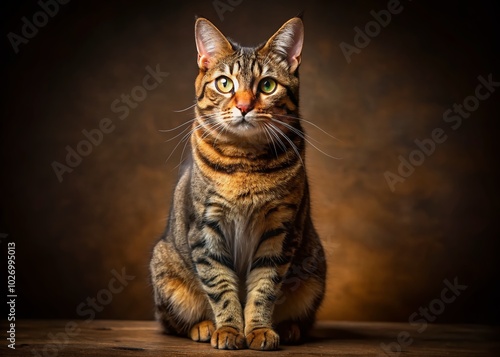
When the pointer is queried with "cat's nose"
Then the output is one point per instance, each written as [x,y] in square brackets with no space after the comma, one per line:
[244,102]
[244,107]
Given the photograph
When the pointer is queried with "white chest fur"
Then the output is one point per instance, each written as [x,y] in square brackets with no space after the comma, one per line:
[242,230]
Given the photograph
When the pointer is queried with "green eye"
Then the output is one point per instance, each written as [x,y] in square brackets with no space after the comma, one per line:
[267,85]
[224,84]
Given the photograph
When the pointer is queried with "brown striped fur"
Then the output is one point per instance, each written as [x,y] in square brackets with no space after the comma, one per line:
[240,263]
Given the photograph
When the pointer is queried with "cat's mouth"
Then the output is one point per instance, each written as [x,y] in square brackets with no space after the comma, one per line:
[246,127]
[242,122]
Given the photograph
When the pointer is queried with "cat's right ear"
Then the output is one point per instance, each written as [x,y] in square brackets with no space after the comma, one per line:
[210,43]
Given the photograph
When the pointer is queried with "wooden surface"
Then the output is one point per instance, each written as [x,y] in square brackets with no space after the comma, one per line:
[142,338]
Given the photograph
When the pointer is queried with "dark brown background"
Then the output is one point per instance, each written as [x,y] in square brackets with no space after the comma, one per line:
[388,252]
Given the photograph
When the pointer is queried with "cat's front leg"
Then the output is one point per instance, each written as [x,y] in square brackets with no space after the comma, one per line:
[264,281]
[215,270]
[263,286]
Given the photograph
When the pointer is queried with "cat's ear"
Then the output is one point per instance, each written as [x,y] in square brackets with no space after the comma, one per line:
[210,43]
[287,42]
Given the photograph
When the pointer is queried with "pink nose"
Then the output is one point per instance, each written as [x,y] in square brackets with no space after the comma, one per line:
[244,101]
[244,107]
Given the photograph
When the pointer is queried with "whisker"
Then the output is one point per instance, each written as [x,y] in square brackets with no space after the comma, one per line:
[180,141]
[188,122]
[219,132]
[177,127]
[185,129]
[312,124]
[320,129]
[183,110]
[184,138]
[268,135]
[182,132]
[181,160]
[186,141]
[215,128]
[303,136]
[292,145]
[280,142]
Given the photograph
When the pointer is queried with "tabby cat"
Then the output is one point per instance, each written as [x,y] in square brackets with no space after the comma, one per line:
[240,263]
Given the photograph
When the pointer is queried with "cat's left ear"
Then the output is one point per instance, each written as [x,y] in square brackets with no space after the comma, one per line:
[287,42]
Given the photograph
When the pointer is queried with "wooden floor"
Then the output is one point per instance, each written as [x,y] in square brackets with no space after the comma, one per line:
[142,338]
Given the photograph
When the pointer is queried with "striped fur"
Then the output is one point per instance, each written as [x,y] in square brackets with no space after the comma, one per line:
[240,263]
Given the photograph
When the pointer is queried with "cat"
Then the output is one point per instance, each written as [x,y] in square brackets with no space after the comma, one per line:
[240,264]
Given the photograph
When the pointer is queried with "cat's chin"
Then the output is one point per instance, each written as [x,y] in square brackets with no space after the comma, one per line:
[243,124]
[244,129]
[250,135]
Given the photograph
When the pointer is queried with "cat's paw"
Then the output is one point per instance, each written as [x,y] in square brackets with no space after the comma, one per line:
[263,339]
[202,331]
[289,333]
[228,338]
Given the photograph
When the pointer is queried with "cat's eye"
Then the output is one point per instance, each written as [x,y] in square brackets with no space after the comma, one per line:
[224,84]
[267,85]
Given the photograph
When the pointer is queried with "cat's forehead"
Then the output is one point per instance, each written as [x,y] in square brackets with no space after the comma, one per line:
[248,63]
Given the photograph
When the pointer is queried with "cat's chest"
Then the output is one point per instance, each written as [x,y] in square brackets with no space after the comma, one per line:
[237,203]
[242,227]
[246,226]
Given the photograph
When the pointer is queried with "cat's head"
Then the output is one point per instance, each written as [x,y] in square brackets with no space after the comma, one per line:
[248,93]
